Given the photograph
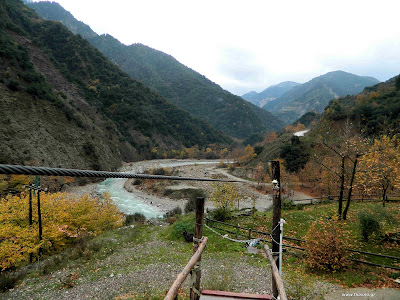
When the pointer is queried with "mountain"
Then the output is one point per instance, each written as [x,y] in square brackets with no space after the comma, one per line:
[270,93]
[316,94]
[186,88]
[64,104]
[376,110]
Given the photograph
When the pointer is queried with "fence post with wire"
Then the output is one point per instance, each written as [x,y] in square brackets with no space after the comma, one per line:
[276,218]
[199,241]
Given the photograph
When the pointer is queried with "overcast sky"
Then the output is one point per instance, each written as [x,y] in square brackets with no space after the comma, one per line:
[250,45]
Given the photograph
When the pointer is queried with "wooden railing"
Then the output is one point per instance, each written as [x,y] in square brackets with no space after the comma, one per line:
[199,243]
[277,283]
[173,291]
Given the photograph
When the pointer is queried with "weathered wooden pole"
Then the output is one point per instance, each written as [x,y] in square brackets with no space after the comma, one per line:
[276,217]
[30,219]
[198,234]
[39,220]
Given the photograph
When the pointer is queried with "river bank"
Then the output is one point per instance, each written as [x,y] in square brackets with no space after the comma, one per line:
[184,168]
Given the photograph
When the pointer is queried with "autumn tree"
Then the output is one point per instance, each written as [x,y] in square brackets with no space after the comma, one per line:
[295,128]
[66,218]
[270,137]
[193,152]
[225,195]
[248,155]
[347,146]
[381,166]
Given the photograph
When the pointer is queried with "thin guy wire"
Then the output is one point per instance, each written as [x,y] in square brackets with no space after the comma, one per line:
[233,240]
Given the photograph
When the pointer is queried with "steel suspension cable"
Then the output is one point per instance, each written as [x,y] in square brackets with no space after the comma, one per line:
[27,170]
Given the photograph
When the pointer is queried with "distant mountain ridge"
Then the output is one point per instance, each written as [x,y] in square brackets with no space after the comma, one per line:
[186,88]
[270,93]
[315,94]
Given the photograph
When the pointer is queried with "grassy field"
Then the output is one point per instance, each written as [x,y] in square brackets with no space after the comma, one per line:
[299,220]
[141,262]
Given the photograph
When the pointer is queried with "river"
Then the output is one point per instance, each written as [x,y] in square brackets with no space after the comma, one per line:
[129,203]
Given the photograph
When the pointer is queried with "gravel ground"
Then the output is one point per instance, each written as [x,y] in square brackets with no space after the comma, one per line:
[246,188]
[151,267]
[164,204]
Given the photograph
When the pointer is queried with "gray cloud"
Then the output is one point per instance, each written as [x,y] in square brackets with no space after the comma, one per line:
[239,65]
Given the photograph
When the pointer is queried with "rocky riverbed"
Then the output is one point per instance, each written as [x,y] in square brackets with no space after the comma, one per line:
[193,169]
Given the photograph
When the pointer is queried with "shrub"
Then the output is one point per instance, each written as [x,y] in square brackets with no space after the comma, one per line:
[13,85]
[368,224]
[231,167]
[220,214]
[185,223]
[136,218]
[222,164]
[66,220]
[8,281]
[287,204]
[171,220]
[326,244]
[191,203]
[159,171]
[137,181]
[174,212]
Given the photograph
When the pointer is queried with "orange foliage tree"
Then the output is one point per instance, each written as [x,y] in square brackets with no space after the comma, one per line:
[381,166]
[270,137]
[248,155]
[295,128]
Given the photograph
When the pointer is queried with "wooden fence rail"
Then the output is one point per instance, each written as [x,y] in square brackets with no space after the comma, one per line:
[277,283]
[173,291]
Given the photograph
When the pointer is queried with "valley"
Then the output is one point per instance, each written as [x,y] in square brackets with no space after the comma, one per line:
[318,146]
[154,204]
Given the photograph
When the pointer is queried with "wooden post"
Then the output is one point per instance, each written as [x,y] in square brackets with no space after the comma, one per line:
[276,175]
[39,221]
[198,234]
[30,219]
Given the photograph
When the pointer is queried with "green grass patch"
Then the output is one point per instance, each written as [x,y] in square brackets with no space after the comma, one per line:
[299,222]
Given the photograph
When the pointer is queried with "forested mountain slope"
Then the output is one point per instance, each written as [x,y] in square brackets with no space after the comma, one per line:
[184,87]
[63,103]
[376,110]
[270,93]
[316,94]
